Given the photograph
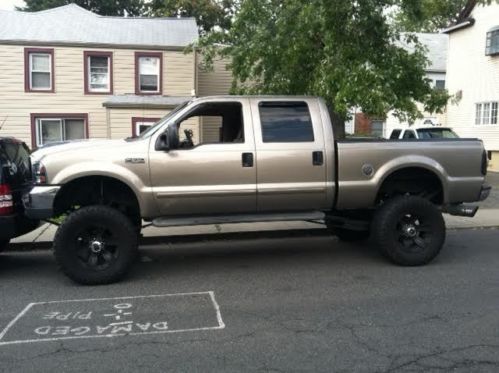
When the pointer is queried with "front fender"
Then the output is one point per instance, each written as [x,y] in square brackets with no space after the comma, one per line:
[111,170]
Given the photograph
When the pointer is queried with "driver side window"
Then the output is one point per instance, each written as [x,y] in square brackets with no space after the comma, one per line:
[212,123]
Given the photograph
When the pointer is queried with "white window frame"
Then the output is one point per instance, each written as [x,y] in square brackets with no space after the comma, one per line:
[62,125]
[486,113]
[89,76]
[31,71]
[158,74]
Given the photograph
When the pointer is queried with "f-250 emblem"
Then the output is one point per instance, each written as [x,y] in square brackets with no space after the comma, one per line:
[135,160]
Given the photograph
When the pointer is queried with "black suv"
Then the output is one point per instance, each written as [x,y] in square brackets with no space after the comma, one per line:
[15,180]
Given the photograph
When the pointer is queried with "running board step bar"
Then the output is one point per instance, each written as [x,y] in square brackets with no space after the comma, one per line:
[241,218]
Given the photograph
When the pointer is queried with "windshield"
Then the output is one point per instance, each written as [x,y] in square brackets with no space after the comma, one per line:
[437,133]
[151,130]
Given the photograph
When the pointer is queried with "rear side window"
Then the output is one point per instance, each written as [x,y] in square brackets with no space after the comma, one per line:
[409,135]
[395,134]
[286,122]
[15,162]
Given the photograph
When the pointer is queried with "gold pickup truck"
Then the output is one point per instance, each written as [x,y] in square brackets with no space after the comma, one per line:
[256,159]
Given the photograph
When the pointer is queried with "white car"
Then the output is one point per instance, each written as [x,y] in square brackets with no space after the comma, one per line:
[423,133]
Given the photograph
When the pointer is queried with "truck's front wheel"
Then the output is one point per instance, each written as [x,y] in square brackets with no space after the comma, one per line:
[96,245]
[410,231]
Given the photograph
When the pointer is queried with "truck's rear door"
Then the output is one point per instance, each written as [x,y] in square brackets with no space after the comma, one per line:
[290,154]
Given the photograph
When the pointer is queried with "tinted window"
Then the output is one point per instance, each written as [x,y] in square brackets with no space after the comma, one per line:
[15,162]
[395,134]
[409,135]
[437,133]
[286,122]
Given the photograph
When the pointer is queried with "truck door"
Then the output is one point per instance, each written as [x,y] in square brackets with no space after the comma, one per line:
[216,171]
[290,154]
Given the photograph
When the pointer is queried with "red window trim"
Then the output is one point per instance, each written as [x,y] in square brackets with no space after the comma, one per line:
[137,82]
[35,116]
[86,68]
[141,119]
[27,75]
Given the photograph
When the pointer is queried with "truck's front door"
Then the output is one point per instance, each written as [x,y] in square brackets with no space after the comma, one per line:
[291,155]
[216,171]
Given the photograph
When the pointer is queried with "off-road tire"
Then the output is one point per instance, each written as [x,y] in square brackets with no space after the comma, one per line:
[74,245]
[393,233]
[3,244]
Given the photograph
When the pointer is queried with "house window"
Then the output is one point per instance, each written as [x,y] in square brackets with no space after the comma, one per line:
[492,44]
[486,113]
[139,125]
[440,84]
[148,71]
[98,72]
[53,128]
[39,70]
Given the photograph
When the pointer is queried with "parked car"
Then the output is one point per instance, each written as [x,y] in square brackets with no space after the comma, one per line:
[15,180]
[423,133]
[277,159]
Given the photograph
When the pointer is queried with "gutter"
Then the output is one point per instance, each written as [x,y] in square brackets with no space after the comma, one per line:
[465,24]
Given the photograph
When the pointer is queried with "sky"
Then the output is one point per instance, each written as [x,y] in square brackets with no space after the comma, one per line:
[10,4]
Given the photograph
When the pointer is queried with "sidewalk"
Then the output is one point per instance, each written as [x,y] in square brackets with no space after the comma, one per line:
[43,236]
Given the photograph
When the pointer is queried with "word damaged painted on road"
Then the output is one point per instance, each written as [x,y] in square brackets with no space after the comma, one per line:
[114,317]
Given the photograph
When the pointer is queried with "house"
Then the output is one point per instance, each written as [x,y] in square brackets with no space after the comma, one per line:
[436,45]
[473,76]
[67,73]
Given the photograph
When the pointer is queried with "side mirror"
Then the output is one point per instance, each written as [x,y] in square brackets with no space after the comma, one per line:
[168,140]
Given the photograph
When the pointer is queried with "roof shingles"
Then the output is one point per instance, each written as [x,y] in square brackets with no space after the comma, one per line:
[71,24]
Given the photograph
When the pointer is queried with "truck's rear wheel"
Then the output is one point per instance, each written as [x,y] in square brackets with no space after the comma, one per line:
[3,244]
[95,245]
[410,231]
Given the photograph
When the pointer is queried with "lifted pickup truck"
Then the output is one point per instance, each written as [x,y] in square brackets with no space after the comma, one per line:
[271,159]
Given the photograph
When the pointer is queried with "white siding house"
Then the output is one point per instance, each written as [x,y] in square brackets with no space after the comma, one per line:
[473,77]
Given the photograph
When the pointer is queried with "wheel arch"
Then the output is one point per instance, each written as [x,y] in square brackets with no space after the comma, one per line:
[413,176]
[88,189]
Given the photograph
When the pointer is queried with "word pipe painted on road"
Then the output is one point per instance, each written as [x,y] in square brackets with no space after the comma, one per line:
[114,317]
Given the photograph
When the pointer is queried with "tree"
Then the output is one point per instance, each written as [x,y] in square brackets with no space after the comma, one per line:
[345,51]
[102,7]
[435,15]
[209,14]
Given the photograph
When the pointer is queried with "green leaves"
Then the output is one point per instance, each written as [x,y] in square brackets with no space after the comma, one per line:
[102,7]
[209,14]
[347,52]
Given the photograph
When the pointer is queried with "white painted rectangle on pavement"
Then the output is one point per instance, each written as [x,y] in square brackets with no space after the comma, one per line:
[114,317]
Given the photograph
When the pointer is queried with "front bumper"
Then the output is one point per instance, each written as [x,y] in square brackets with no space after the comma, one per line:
[39,202]
[484,192]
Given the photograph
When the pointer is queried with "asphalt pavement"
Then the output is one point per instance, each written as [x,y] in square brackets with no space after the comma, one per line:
[278,303]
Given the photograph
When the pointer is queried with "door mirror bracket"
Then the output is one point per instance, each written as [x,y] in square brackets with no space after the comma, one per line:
[168,140]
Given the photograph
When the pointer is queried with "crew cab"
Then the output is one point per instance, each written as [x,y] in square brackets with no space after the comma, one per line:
[15,180]
[423,133]
[256,159]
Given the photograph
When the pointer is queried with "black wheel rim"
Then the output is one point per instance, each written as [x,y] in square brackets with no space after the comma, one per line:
[97,248]
[414,233]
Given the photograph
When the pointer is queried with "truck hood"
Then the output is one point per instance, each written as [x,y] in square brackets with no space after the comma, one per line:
[78,145]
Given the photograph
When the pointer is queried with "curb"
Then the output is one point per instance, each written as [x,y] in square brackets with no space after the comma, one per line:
[214,237]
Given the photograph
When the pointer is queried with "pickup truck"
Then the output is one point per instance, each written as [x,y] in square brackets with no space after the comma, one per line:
[422,133]
[267,158]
